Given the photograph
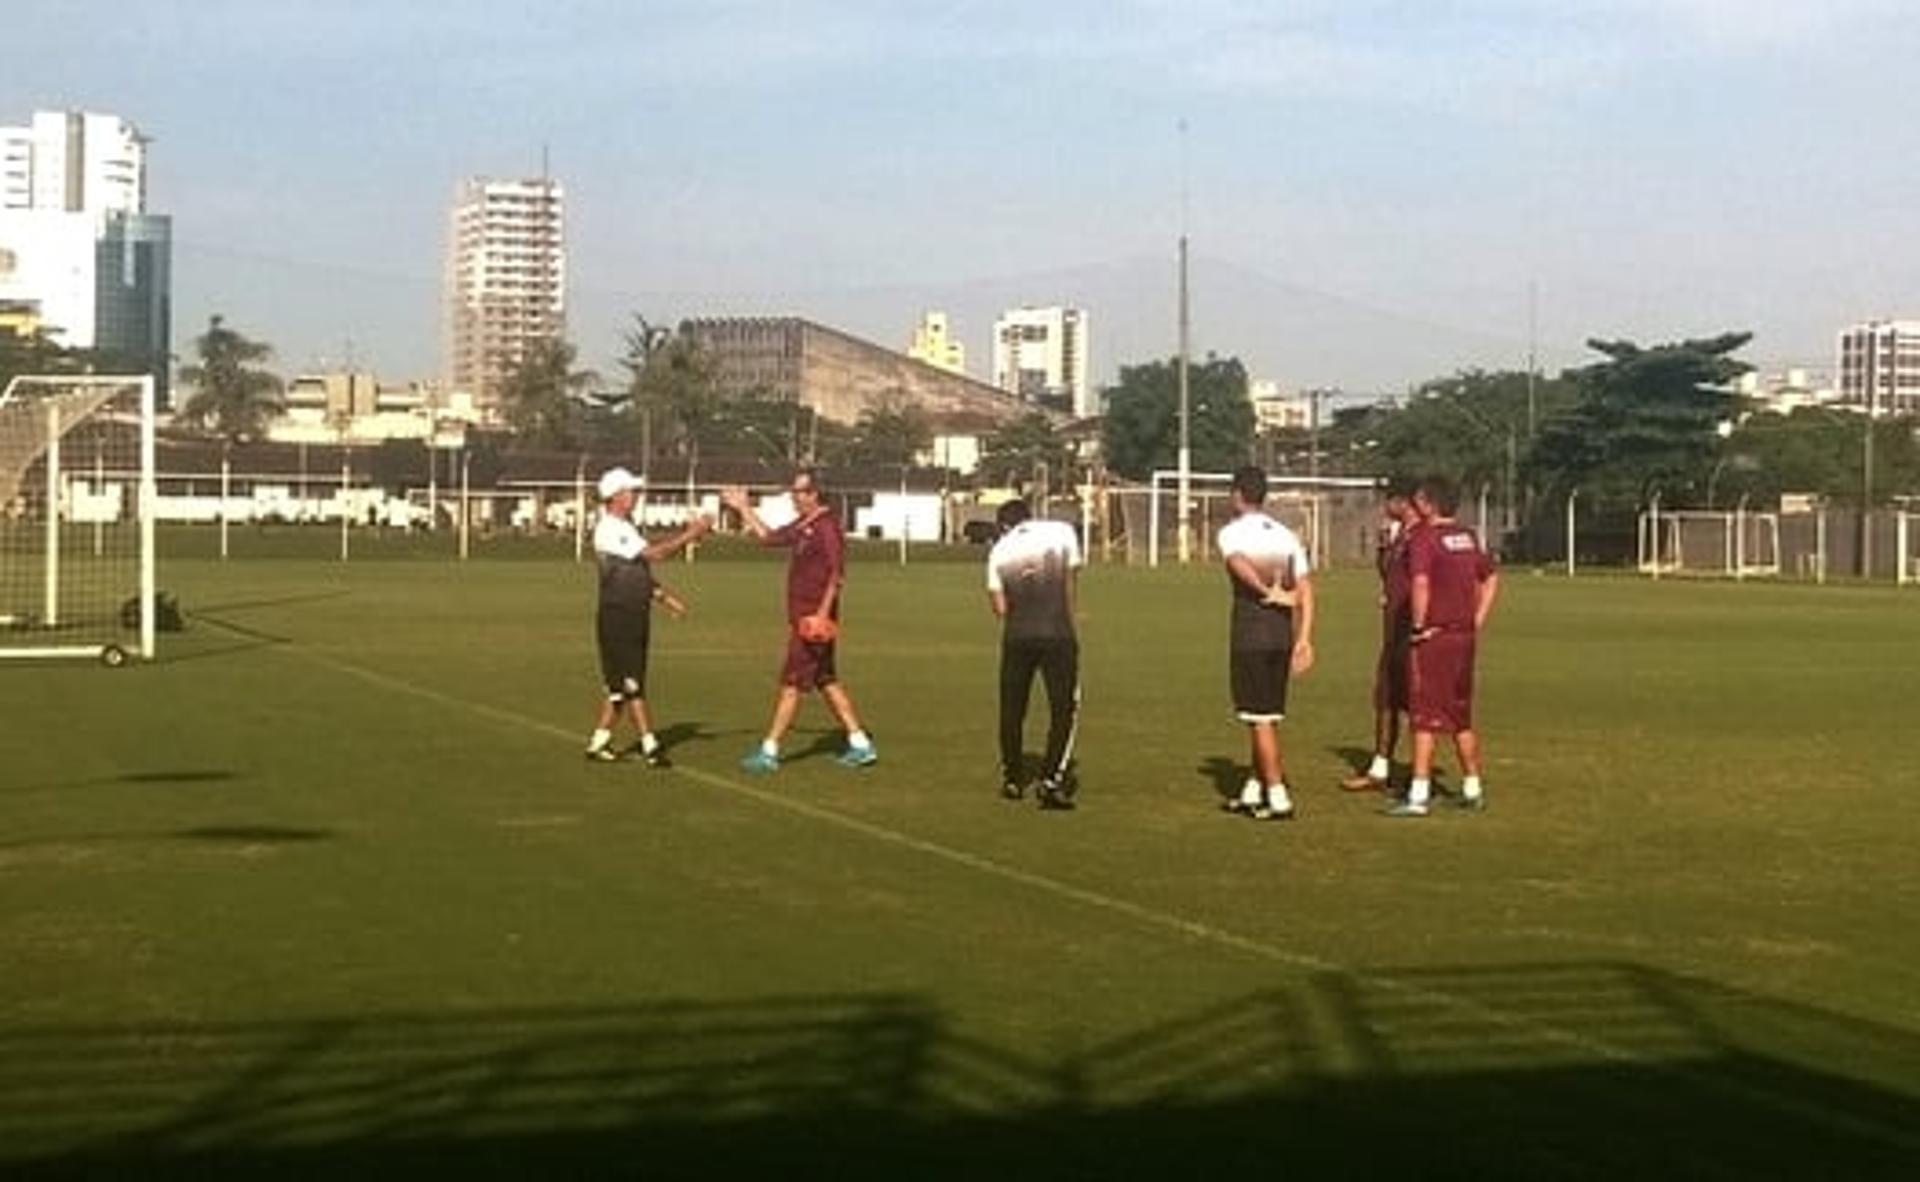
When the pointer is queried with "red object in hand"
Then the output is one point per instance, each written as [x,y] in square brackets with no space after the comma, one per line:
[816,629]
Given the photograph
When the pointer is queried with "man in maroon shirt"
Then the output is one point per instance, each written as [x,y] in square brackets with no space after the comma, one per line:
[1397,520]
[1453,586]
[814,577]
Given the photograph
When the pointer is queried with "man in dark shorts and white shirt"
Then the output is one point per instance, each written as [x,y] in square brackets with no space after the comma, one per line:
[1030,585]
[623,623]
[815,574]
[1272,625]
[1454,584]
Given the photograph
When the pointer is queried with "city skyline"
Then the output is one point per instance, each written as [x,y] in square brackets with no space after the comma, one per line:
[1371,191]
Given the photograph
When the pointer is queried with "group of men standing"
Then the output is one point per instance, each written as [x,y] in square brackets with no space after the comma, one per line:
[1438,584]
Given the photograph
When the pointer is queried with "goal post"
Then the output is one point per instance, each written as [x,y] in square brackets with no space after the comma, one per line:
[1735,544]
[77,496]
[1297,504]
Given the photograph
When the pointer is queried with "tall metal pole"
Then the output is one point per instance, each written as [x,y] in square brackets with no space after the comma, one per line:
[1866,469]
[1185,493]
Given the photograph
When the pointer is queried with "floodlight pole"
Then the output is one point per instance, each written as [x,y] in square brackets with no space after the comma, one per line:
[1185,492]
[1570,551]
[346,481]
[466,511]
[226,482]
[149,506]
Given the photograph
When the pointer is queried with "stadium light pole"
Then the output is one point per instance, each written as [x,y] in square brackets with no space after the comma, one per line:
[1866,481]
[1185,493]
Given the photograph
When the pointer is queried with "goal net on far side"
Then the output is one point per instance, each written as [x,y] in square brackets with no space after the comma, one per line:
[76,527]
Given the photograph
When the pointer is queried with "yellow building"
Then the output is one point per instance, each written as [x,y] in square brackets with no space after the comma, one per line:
[932,345]
[20,317]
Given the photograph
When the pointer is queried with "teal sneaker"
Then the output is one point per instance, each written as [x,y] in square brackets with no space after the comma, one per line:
[1406,808]
[859,756]
[759,762]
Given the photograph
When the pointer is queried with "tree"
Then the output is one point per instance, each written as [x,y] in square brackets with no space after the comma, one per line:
[36,353]
[890,432]
[1142,427]
[1815,450]
[231,393]
[1647,421]
[1018,448]
[544,397]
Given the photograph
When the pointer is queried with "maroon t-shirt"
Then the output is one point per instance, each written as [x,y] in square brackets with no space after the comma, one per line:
[819,561]
[1396,582]
[1455,563]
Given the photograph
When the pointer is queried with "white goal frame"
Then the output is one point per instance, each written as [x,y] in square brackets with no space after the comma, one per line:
[1661,543]
[44,442]
[1302,495]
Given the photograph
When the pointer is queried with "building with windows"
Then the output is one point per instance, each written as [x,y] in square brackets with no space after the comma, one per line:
[1879,367]
[934,344]
[506,281]
[79,252]
[836,375]
[1040,354]
[1275,409]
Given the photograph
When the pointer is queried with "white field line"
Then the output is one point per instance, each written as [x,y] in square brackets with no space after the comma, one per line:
[1168,921]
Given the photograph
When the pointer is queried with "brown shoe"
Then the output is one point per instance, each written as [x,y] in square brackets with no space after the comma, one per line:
[1361,782]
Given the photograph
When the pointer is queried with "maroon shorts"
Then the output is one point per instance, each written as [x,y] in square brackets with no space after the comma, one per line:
[1390,674]
[808,666]
[1440,683]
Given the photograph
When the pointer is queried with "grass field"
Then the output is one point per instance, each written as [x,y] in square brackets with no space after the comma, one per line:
[329,889]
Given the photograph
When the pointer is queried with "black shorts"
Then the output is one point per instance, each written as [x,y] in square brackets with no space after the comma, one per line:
[1259,683]
[623,637]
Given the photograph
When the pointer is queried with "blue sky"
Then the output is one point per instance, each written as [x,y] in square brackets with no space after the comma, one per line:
[1371,187]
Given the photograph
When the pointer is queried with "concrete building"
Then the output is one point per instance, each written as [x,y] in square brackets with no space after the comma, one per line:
[934,344]
[836,375]
[1785,391]
[1879,367]
[77,245]
[1041,353]
[506,280]
[355,407]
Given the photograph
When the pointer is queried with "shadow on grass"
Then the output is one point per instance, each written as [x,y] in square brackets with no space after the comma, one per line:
[1595,1070]
[1224,774]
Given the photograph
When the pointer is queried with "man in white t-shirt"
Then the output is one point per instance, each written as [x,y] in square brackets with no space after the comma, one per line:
[1030,585]
[1272,636]
[623,622]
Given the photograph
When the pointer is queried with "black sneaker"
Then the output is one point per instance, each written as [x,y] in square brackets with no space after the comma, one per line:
[657,758]
[1057,793]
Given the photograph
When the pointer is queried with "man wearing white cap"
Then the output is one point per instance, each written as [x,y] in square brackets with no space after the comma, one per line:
[627,594]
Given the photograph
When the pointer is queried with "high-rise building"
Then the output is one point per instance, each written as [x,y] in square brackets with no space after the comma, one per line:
[77,245]
[1879,366]
[1041,354]
[934,344]
[507,286]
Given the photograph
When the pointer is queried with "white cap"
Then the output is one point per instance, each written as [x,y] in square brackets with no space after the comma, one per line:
[615,481]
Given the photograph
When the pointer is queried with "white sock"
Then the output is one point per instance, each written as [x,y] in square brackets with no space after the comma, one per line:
[1470,787]
[1277,798]
[601,737]
[649,743]
[769,748]
[858,738]
[1250,793]
[1379,769]
[1420,790]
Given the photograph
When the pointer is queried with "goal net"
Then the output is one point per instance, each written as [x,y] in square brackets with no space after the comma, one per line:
[1301,509]
[1701,542]
[76,530]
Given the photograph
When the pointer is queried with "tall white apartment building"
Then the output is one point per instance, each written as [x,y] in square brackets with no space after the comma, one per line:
[79,253]
[1042,352]
[1879,367]
[507,272]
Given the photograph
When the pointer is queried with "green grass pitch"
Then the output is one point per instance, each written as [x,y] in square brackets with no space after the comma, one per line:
[328,889]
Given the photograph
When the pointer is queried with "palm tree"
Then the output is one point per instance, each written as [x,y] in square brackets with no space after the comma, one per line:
[228,390]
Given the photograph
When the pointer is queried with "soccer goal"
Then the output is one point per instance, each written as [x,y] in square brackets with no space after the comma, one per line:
[1700,542]
[76,521]
[1906,541]
[1301,509]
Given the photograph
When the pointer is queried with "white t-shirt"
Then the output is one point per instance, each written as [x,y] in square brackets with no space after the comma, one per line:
[1277,555]
[1030,565]
[626,581]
